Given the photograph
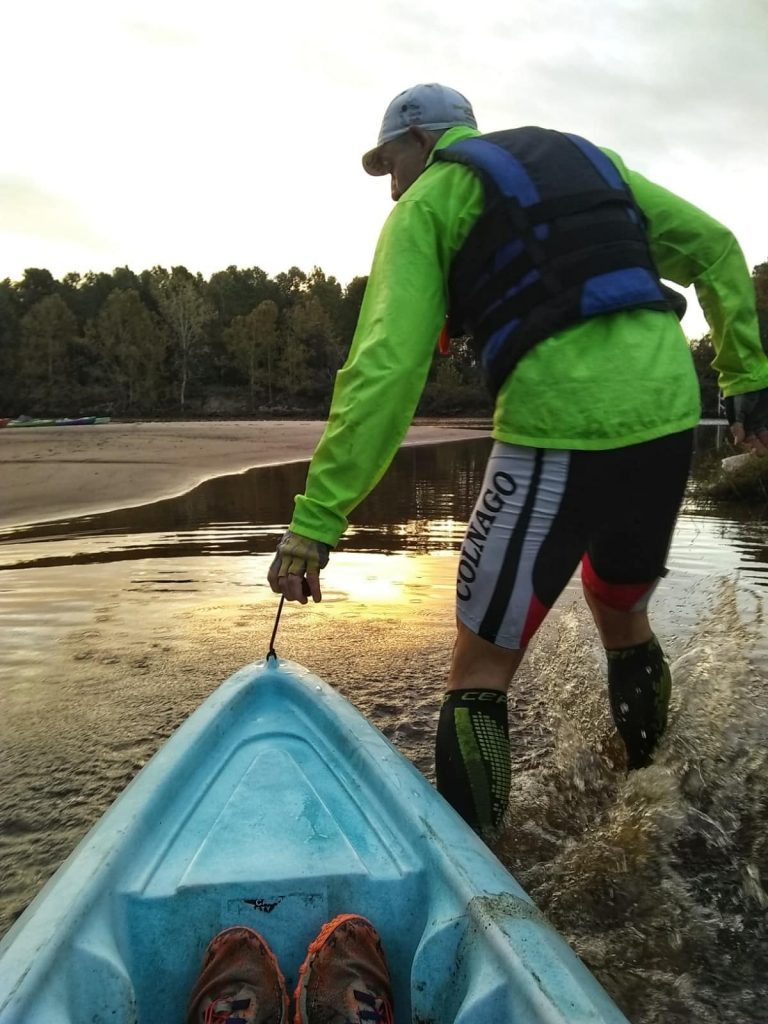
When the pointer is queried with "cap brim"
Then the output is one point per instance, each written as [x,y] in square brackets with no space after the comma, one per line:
[373,163]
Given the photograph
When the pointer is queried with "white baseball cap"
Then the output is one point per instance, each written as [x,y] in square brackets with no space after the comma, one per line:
[433,106]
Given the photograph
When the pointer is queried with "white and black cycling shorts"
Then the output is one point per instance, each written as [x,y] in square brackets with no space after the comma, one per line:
[541,511]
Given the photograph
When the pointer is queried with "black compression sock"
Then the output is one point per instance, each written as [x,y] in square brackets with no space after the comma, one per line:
[472,757]
[639,686]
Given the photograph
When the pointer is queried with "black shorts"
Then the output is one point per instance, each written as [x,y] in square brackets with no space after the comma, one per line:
[541,511]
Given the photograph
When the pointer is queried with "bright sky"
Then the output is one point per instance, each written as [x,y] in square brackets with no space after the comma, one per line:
[165,132]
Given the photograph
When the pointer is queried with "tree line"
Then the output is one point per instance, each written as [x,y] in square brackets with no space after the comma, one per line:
[169,343]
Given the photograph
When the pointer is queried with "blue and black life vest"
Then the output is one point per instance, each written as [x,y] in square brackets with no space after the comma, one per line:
[560,239]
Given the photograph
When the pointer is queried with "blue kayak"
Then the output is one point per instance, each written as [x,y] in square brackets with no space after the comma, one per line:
[277,805]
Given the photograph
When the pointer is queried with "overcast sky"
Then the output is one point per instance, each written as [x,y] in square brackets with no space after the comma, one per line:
[207,134]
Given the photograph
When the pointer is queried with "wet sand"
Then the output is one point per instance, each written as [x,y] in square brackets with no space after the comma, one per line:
[55,472]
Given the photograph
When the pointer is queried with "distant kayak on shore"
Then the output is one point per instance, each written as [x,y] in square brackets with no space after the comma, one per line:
[80,421]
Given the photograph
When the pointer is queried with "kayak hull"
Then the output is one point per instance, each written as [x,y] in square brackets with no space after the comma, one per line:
[79,421]
[277,805]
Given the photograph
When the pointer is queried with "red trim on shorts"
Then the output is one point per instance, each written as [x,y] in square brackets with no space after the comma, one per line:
[621,596]
[537,612]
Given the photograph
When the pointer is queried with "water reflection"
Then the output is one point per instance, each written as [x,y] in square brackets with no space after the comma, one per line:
[421,506]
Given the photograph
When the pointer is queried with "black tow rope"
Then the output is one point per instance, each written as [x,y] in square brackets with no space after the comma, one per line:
[272,653]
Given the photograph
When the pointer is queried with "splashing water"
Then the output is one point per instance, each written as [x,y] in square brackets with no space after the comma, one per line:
[656,877]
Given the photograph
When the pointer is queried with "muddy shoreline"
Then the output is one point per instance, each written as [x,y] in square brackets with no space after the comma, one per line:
[56,472]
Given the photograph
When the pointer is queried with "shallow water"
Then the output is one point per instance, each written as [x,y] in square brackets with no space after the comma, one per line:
[118,625]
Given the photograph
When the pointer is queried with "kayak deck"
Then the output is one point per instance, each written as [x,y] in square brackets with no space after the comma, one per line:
[276,805]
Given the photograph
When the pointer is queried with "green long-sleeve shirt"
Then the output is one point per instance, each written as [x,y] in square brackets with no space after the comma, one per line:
[607,382]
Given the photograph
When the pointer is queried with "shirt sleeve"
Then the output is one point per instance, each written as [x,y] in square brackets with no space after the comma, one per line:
[378,388]
[690,247]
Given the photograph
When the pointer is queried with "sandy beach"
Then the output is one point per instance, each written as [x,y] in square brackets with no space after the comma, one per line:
[56,472]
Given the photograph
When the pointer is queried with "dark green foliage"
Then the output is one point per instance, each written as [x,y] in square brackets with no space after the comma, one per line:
[35,285]
[169,343]
[234,292]
[703,353]
[456,385]
[252,341]
[10,337]
[747,481]
[349,311]
[760,277]
[130,343]
[45,356]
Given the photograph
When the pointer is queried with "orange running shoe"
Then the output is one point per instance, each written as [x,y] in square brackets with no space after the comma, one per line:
[345,978]
[240,982]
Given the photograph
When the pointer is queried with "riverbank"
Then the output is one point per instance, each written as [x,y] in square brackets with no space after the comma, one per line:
[57,472]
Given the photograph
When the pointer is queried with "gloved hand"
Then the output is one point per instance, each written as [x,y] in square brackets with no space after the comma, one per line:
[748,417]
[295,570]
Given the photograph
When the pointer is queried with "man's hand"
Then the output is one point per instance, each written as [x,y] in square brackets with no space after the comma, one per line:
[748,417]
[295,571]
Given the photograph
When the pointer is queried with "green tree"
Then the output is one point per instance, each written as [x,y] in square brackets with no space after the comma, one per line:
[36,284]
[187,314]
[327,290]
[760,278]
[349,313]
[235,292]
[133,345]
[311,336]
[125,279]
[10,337]
[291,284]
[89,294]
[293,371]
[252,340]
[48,330]
[703,352]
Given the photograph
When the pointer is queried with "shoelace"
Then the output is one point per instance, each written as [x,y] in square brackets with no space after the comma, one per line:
[374,1015]
[383,1016]
[222,1011]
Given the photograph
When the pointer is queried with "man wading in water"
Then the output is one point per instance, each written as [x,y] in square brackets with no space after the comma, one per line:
[546,250]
